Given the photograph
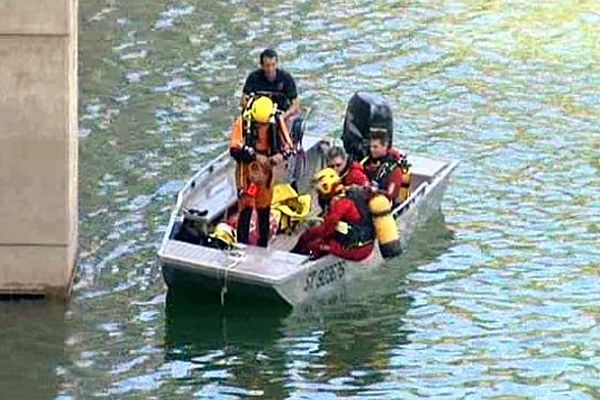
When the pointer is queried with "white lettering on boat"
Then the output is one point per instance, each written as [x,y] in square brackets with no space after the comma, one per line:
[323,276]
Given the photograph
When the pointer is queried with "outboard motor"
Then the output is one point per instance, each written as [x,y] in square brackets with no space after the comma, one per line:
[365,113]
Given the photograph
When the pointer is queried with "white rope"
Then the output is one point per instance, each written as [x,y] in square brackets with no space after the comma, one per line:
[231,266]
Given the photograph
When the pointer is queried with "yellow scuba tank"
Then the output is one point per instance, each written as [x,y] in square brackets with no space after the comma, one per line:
[386,230]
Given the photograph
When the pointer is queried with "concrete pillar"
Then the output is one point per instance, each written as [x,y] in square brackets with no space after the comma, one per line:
[38,146]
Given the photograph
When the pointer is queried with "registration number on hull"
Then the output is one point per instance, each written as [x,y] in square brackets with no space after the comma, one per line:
[323,276]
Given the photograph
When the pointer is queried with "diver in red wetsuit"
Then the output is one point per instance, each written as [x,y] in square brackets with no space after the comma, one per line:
[387,168]
[351,172]
[347,230]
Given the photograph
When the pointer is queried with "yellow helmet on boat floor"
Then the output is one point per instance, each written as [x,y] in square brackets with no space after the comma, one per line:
[262,109]
[225,233]
[326,180]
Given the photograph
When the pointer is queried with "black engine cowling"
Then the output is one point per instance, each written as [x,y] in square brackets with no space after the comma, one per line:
[365,111]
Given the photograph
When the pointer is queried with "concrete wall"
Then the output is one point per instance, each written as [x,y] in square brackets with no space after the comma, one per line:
[38,145]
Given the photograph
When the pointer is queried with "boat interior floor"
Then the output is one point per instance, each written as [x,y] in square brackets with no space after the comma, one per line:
[285,241]
[220,201]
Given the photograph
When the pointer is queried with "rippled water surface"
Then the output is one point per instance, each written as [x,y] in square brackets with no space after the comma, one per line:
[497,298]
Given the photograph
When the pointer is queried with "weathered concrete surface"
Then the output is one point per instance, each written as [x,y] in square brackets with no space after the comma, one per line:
[38,145]
[36,17]
[26,269]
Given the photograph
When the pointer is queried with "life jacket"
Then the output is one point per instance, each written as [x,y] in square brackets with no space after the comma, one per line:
[289,207]
[352,235]
[382,174]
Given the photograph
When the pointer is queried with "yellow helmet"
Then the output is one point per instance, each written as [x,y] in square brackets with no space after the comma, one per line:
[262,109]
[327,180]
[225,233]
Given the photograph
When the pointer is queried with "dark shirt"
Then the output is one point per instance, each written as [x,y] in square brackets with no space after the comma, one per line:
[283,88]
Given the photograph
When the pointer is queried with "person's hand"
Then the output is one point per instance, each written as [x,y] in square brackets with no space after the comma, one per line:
[287,151]
[247,153]
[374,187]
[313,221]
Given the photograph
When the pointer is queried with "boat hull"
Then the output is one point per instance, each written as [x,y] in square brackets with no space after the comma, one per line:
[189,283]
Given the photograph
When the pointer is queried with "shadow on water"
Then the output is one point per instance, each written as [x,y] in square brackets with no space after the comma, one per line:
[205,335]
[197,326]
[351,334]
[32,333]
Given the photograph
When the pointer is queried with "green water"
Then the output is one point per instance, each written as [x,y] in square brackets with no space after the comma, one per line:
[496,298]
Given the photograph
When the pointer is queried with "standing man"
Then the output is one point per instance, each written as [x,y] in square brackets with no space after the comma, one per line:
[276,83]
[259,141]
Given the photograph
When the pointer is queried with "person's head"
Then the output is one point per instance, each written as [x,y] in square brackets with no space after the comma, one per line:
[380,143]
[268,63]
[262,109]
[337,159]
[328,182]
